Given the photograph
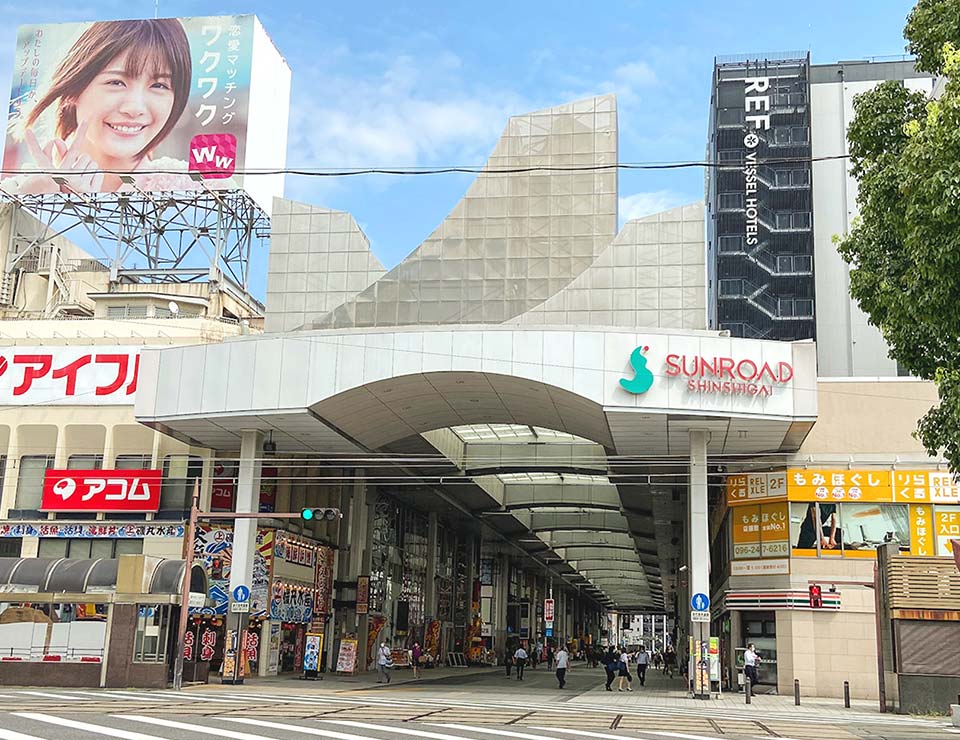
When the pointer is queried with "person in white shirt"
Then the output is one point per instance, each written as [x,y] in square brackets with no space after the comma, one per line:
[563,658]
[643,661]
[383,663]
[520,659]
[624,671]
[751,659]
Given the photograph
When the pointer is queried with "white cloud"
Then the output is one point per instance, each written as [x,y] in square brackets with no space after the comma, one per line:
[408,112]
[635,74]
[638,205]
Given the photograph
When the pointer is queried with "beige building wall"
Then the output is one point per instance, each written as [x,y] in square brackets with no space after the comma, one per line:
[870,417]
[825,647]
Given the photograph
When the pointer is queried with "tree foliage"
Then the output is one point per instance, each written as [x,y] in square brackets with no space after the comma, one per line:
[904,249]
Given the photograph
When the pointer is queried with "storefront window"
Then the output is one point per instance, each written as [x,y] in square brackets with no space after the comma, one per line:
[81,548]
[85,462]
[829,530]
[179,473]
[150,639]
[132,462]
[30,480]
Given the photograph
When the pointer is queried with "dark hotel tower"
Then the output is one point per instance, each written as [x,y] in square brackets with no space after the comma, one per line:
[760,199]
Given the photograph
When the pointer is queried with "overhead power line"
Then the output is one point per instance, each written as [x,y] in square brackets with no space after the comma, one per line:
[445,170]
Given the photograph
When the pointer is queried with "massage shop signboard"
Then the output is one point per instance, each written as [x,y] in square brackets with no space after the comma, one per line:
[806,512]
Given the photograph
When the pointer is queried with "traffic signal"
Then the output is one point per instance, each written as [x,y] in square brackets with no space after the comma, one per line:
[328,515]
[216,569]
[816,596]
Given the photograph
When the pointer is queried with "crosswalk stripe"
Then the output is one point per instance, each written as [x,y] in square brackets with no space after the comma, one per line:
[656,733]
[11,735]
[506,733]
[425,733]
[333,734]
[87,727]
[51,696]
[110,694]
[172,724]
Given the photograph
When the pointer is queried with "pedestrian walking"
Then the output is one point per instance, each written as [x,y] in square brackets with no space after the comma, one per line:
[610,661]
[751,659]
[563,658]
[623,669]
[507,660]
[416,652]
[669,661]
[384,661]
[550,657]
[657,660]
[643,662]
[520,658]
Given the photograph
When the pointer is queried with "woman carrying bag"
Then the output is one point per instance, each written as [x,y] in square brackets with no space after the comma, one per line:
[623,668]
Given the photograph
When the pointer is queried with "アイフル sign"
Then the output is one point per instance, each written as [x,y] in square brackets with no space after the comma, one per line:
[101,490]
[79,376]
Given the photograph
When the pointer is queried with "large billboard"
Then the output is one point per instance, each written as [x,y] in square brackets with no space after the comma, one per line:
[156,105]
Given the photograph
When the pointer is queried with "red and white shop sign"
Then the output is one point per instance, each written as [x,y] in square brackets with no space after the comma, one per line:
[101,490]
[548,610]
[81,376]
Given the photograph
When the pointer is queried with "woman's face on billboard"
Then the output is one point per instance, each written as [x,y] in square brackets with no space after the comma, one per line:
[124,113]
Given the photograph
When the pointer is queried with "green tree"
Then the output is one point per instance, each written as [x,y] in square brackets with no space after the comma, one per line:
[904,249]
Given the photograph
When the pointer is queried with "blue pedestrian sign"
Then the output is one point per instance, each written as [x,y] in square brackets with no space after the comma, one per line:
[548,632]
[700,602]
[241,593]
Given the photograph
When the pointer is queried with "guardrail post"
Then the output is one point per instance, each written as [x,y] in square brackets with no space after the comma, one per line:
[796,691]
[846,694]
[747,690]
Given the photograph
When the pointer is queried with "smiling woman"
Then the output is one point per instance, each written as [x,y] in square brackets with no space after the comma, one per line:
[117,94]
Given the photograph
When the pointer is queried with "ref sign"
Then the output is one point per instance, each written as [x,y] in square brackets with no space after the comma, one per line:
[101,490]
[699,616]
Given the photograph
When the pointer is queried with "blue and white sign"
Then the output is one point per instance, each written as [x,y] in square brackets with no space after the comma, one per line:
[242,593]
[700,602]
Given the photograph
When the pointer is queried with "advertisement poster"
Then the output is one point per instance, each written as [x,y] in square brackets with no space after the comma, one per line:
[347,657]
[431,640]
[312,647]
[363,594]
[273,663]
[213,547]
[377,623]
[152,100]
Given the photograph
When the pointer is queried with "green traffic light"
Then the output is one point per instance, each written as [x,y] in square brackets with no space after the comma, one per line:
[306,514]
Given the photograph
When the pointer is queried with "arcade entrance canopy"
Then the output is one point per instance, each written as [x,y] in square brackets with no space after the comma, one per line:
[527,430]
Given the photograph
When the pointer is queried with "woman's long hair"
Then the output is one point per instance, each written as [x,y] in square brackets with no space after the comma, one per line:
[157,43]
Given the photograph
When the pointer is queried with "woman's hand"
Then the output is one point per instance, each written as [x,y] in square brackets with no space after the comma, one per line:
[79,170]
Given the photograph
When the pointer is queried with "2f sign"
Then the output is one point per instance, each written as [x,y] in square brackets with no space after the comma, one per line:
[213,155]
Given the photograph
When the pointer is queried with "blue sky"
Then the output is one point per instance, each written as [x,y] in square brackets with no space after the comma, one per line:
[432,83]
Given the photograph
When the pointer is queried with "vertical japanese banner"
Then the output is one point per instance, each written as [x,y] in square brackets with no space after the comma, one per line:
[363,594]
[746,531]
[775,530]
[377,623]
[922,539]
